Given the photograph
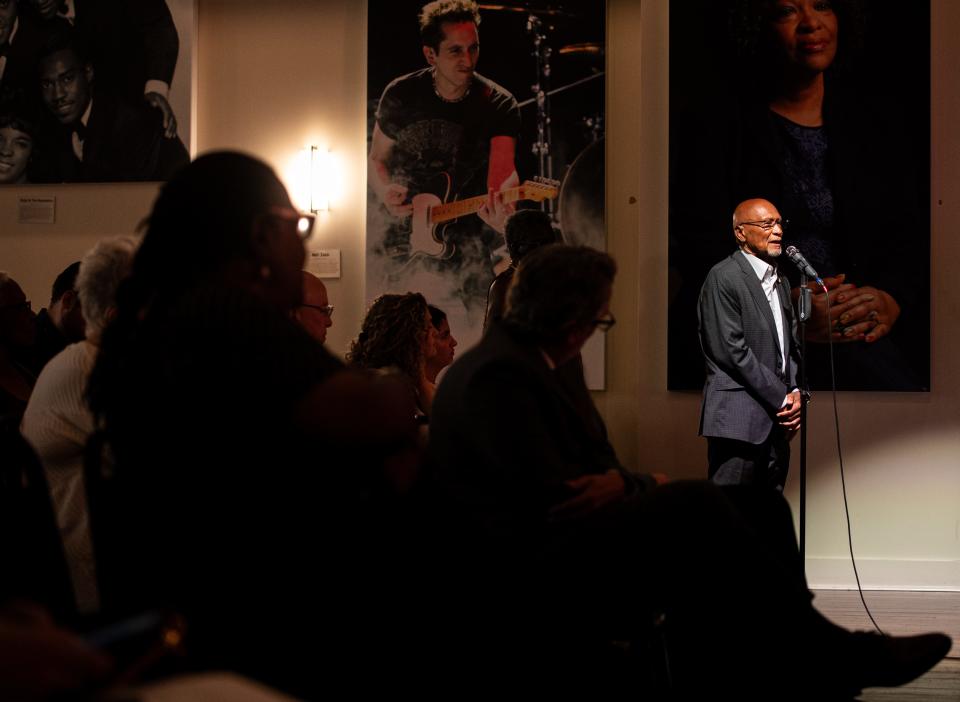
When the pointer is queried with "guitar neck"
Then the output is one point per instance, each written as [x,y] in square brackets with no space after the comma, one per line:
[458,208]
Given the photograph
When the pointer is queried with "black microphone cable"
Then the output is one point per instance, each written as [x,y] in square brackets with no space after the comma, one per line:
[843,482]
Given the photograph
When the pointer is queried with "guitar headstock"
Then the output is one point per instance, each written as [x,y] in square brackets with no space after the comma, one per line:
[540,189]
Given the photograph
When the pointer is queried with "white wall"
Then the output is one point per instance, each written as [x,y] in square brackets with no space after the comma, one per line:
[272,79]
[276,77]
[35,253]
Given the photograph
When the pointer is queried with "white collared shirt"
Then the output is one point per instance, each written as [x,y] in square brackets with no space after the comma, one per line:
[768,281]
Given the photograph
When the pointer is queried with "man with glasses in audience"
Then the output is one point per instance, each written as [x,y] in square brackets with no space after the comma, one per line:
[751,402]
[315,313]
[508,388]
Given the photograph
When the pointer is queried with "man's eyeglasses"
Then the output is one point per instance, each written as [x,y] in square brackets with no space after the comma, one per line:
[304,220]
[767,225]
[323,309]
[605,323]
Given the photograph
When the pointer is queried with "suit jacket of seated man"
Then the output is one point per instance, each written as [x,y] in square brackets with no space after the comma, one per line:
[506,432]
[123,142]
[746,384]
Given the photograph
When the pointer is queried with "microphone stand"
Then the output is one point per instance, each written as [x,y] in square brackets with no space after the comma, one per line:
[804,305]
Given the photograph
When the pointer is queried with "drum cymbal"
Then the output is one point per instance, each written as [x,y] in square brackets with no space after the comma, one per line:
[582,194]
[526,10]
[588,48]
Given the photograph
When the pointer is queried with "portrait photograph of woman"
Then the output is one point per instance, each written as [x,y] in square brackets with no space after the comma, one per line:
[821,107]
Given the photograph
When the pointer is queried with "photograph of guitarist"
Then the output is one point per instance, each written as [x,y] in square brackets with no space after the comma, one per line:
[449,131]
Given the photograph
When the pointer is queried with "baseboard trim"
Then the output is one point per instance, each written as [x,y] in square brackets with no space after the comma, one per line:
[883,574]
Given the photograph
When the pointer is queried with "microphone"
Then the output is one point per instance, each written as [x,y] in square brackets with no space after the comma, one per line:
[803,264]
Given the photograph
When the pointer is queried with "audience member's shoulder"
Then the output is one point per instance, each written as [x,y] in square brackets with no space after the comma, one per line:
[80,356]
[75,361]
[501,351]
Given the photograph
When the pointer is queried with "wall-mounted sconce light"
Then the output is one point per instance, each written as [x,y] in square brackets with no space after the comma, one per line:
[312,179]
[319,179]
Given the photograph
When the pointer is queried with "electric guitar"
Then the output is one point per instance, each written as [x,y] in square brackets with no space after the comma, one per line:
[431,215]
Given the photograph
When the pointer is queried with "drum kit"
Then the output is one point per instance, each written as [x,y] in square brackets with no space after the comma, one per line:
[579,209]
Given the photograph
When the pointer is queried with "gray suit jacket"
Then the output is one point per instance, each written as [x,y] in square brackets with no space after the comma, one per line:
[745,387]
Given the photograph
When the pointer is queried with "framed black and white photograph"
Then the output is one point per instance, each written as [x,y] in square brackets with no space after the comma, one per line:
[94,90]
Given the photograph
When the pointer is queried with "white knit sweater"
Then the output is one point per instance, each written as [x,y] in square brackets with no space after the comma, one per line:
[57,423]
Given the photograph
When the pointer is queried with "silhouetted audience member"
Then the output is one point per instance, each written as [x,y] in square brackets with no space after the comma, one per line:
[58,421]
[525,231]
[62,322]
[18,333]
[315,313]
[398,333]
[560,545]
[442,355]
[244,454]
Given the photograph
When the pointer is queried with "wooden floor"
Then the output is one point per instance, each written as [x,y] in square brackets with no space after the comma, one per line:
[904,613]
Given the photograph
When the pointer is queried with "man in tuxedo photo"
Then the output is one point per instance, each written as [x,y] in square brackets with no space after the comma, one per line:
[99,136]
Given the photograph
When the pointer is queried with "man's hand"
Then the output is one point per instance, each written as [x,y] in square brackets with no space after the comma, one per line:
[394,197]
[592,492]
[789,414]
[169,119]
[495,211]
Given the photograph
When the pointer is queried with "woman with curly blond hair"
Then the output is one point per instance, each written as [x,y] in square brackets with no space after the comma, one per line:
[398,333]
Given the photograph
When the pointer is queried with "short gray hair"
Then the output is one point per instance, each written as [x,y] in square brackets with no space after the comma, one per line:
[101,270]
